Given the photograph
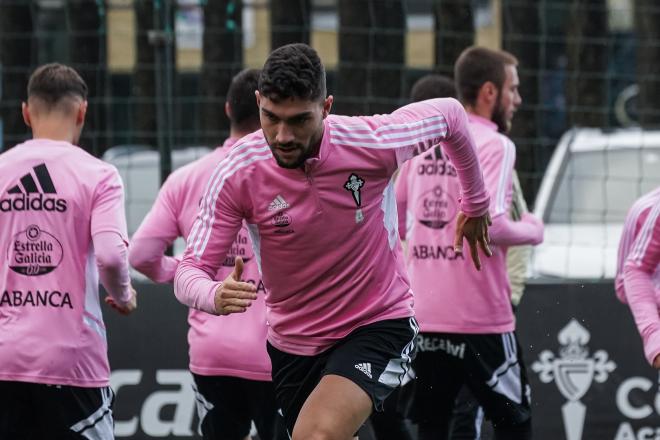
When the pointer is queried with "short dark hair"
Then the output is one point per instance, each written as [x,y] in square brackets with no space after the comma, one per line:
[478,65]
[53,82]
[244,113]
[293,71]
[432,86]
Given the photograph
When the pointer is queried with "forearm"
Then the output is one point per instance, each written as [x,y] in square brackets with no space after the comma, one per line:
[194,287]
[461,150]
[147,255]
[506,232]
[111,255]
[640,295]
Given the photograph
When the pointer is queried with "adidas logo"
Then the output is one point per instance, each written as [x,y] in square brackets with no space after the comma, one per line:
[435,154]
[31,196]
[365,368]
[278,203]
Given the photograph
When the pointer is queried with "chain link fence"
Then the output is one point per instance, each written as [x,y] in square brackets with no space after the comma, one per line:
[158,71]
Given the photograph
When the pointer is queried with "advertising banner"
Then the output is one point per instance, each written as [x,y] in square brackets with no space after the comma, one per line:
[589,377]
[586,366]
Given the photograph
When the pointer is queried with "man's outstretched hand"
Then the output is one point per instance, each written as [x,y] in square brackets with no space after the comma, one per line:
[234,295]
[475,231]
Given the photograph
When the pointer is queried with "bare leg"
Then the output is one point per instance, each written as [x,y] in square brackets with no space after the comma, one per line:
[335,410]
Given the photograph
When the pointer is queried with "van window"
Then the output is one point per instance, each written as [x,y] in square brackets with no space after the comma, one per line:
[600,186]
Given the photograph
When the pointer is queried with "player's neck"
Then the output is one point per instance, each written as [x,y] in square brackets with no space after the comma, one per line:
[316,147]
[236,133]
[54,129]
[480,110]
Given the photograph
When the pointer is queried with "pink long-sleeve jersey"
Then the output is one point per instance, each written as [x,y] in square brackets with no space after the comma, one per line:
[58,207]
[450,294]
[637,280]
[325,235]
[233,345]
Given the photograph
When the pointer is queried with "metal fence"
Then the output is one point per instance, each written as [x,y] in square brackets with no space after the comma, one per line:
[158,69]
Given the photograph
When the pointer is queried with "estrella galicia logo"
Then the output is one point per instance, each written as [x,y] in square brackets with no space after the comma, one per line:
[282,222]
[435,209]
[354,184]
[34,252]
[28,196]
[240,248]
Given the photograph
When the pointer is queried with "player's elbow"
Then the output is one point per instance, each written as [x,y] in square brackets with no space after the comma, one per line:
[506,232]
[538,228]
[138,260]
[537,238]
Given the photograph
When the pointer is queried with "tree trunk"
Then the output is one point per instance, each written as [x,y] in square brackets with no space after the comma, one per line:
[15,65]
[454,31]
[647,21]
[222,59]
[88,57]
[144,84]
[587,63]
[371,56]
[521,29]
[289,22]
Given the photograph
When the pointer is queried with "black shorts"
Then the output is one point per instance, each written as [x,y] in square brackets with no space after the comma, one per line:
[376,357]
[491,365]
[227,406]
[392,423]
[58,412]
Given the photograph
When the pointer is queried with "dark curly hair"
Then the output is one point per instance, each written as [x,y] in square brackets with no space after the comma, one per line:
[293,71]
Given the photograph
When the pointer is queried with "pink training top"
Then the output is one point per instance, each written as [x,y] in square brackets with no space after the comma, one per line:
[233,345]
[325,236]
[638,279]
[631,227]
[61,209]
[450,294]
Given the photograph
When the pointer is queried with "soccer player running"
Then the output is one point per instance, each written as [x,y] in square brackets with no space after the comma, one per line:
[316,192]
[228,355]
[468,415]
[63,230]
[637,280]
[466,318]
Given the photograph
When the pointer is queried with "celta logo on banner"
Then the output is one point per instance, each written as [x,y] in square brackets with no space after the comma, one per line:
[573,372]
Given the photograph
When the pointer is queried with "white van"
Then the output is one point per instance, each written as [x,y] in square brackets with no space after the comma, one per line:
[593,178]
[139,168]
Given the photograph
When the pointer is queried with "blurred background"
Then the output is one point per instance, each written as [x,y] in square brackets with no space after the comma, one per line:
[158,71]
[586,140]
